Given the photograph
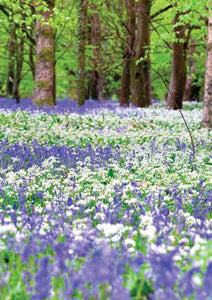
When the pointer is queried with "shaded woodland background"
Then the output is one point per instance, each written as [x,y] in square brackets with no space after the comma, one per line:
[122,49]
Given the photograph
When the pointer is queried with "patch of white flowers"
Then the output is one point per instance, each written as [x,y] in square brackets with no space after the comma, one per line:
[7,228]
[147,229]
[111,231]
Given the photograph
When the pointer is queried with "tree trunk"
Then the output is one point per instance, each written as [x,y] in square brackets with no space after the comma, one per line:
[125,80]
[18,71]
[125,83]
[207,110]
[11,66]
[31,52]
[31,60]
[92,84]
[44,90]
[140,63]
[81,51]
[178,72]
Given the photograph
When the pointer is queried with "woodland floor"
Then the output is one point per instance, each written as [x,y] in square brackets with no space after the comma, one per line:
[103,202]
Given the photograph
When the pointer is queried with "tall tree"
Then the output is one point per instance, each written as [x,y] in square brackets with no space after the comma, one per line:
[81,93]
[44,89]
[130,32]
[207,110]
[140,66]
[178,70]
[136,70]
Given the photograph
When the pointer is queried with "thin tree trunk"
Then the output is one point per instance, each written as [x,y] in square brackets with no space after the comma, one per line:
[31,57]
[31,60]
[31,52]
[93,78]
[125,83]
[125,80]
[207,110]
[81,51]
[18,71]
[96,76]
[44,90]
[139,69]
[178,72]
[11,66]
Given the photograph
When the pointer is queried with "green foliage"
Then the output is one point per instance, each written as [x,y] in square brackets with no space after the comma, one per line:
[112,14]
[138,283]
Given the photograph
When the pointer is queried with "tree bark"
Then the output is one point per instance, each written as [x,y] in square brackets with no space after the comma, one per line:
[81,86]
[44,89]
[178,72]
[130,32]
[125,83]
[140,62]
[207,110]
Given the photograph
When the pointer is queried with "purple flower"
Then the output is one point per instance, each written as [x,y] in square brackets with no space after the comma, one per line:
[208,280]
[42,280]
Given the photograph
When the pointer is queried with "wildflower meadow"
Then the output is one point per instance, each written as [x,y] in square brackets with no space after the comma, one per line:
[104,202]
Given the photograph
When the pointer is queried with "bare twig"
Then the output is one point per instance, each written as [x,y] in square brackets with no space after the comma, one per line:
[161,11]
[180,111]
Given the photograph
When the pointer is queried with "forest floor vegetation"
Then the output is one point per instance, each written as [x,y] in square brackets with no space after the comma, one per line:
[103,202]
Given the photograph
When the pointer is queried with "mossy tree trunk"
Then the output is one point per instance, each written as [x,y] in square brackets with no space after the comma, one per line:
[207,110]
[44,89]
[140,62]
[81,85]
